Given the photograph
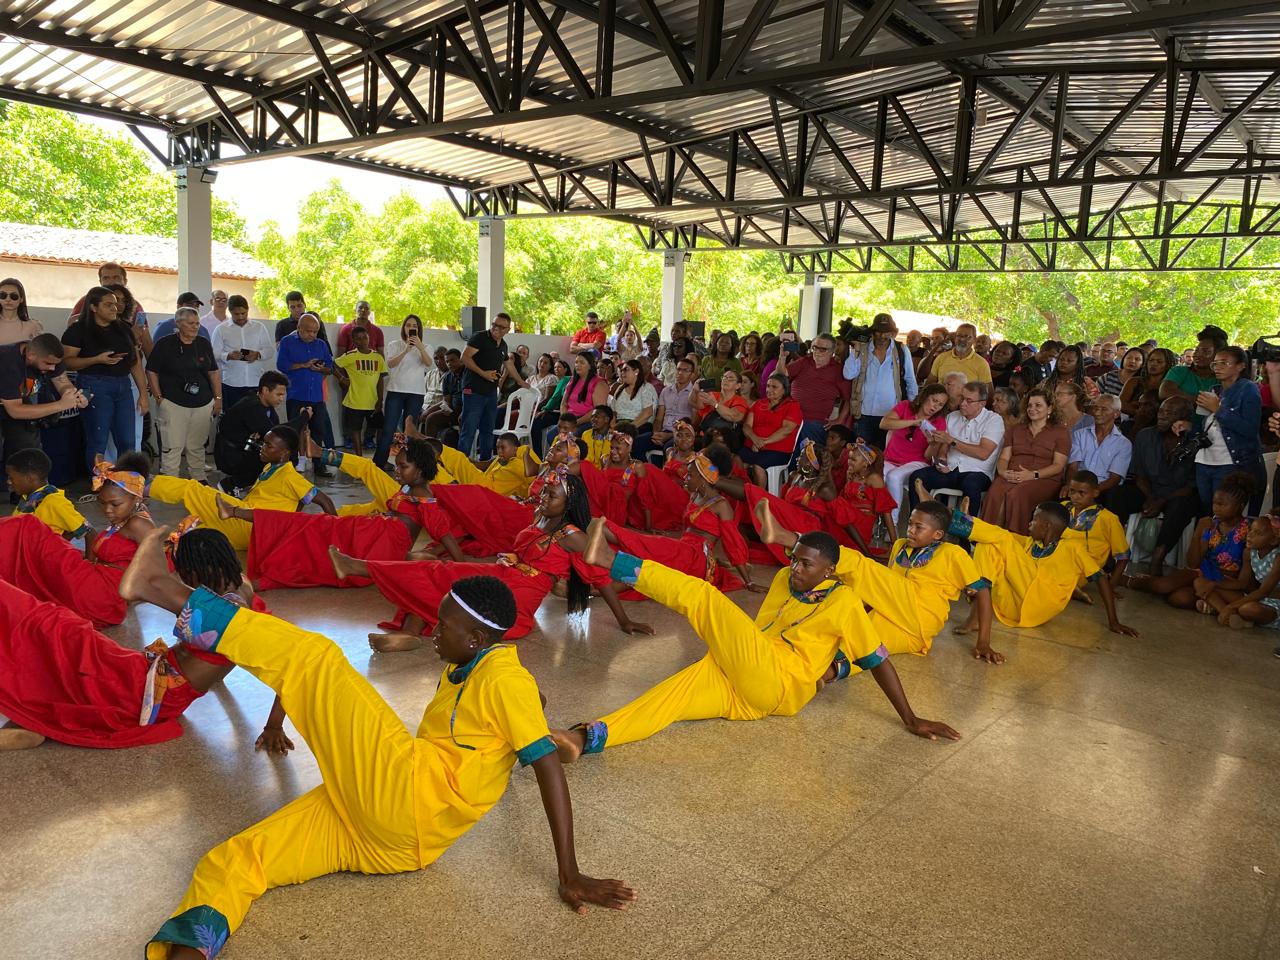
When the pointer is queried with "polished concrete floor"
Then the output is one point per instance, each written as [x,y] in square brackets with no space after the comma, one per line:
[1111,798]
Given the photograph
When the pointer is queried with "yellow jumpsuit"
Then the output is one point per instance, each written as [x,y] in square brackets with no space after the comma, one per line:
[279,487]
[55,511]
[391,801]
[1031,582]
[379,483]
[509,479]
[753,669]
[910,599]
[1102,533]
[460,469]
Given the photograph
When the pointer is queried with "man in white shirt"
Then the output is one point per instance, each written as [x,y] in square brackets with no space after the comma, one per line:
[217,312]
[244,349]
[970,444]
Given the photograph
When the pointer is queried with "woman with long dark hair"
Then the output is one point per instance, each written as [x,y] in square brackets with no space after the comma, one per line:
[101,349]
[1069,368]
[16,325]
[548,550]
[1231,428]
[408,361]
[584,392]
[1150,379]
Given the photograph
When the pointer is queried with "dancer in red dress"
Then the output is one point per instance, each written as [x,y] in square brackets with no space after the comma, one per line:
[288,549]
[711,547]
[654,501]
[37,561]
[680,452]
[547,550]
[63,680]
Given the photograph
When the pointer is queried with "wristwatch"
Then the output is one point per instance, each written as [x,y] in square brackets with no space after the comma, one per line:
[1035,474]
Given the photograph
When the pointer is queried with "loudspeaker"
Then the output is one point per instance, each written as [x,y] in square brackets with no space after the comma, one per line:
[826,295]
[474,320]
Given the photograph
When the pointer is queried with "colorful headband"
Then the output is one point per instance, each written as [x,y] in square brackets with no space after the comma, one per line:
[685,427]
[104,472]
[570,449]
[865,450]
[810,451]
[709,471]
[625,438]
[487,622]
[185,526]
[398,442]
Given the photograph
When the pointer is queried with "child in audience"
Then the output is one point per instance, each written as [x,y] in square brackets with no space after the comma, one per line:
[598,438]
[28,472]
[363,372]
[1246,601]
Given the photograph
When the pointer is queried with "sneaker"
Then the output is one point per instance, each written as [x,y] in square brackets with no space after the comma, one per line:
[1276,653]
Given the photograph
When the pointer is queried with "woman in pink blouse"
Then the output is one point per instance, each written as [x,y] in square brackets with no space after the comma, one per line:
[912,422]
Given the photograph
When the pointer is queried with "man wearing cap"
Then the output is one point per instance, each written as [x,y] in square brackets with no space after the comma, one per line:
[881,375]
[166,327]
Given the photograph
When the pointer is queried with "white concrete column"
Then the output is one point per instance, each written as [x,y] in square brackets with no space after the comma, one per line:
[195,232]
[807,327]
[672,290]
[492,275]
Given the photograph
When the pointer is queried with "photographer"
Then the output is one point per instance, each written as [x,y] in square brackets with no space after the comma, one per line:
[29,375]
[880,373]
[183,377]
[246,423]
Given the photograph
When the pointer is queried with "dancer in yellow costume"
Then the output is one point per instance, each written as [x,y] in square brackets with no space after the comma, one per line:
[753,669]
[279,487]
[391,801]
[1102,531]
[910,599]
[507,473]
[28,473]
[1033,577]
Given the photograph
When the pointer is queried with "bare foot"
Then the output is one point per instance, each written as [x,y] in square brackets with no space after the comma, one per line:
[921,493]
[312,449]
[394,642]
[19,738]
[411,428]
[964,505]
[225,510]
[597,552]
[964,629]
[569,744]
[1080,596]
[147,578]
[1238,622]
[770,531]
[344,566]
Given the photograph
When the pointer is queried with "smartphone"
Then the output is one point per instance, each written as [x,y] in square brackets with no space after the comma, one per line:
[707,384]
[791,346]
[927,428]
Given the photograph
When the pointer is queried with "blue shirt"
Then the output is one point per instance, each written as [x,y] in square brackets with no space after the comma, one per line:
[304,385]
[880,388]
[166,327]
[1110,456]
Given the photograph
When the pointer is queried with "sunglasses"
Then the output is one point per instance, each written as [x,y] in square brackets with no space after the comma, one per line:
[10,296]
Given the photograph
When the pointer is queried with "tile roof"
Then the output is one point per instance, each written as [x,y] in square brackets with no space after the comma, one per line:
[63,245]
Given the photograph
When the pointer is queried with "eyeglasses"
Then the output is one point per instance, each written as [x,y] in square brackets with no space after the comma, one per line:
[821,349]
[10,296]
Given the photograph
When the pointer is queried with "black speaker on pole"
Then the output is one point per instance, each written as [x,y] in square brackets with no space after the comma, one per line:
[474,320]
[826,296]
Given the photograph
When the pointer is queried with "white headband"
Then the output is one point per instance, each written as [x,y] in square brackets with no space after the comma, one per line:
[488,623]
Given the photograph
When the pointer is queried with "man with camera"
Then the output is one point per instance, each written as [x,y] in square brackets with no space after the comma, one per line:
[30,374]
[243,426]
[880,374]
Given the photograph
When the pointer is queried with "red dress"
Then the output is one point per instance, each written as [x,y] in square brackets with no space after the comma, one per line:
[655,491]
[489,519]
[858,506]
[693,554]
[290,549]
[36,560]
[606,498]
[418,586]
[798,510]
[63,679]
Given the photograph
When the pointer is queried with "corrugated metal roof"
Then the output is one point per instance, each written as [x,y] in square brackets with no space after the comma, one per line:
[153,58]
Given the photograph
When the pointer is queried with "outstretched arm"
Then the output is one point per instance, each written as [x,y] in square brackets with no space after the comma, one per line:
[1109,601]
[619,612]
[323,501]
[887,677]
[576,889]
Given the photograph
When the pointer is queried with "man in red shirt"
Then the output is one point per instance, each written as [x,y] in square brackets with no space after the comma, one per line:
[819,386]
[590,339]
[362,320]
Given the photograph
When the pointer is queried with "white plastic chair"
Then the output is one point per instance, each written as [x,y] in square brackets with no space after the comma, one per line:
[1173,558]
[524,403]
[773,479]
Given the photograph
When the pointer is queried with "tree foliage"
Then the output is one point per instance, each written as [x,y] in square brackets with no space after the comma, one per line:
[58,171]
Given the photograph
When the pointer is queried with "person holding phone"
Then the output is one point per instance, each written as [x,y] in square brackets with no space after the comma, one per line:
[408,361]
[101,349]
[1234,416]
[244,349]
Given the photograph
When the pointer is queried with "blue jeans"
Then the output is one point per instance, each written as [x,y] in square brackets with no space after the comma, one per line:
[475,427]
[110,415]
[1209,479]
[815,430]
[395,407]
[868,428]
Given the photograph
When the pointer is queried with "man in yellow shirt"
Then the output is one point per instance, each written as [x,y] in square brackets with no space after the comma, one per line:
[363,372]
[962,357]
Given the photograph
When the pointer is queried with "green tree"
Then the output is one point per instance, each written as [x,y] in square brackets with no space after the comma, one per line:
[58,171]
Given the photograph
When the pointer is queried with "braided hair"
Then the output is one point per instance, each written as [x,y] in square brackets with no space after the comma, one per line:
[205,558]
[490,598]
[577,511]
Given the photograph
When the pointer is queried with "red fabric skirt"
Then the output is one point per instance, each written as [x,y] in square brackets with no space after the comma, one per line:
[489,519]
[689,555]
[607,499]
[291,549]
[39,562]
[791,516]
[63,679]
[665,500]
[418,586]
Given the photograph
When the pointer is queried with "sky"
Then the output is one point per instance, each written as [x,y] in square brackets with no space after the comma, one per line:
[273,189]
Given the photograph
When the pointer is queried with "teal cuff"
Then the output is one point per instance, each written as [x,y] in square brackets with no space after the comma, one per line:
[961,524]
[982,583]
[203,928]
[873,659]
[625,568]
[595,736]
[332,458]
[204,619]
[535,751]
